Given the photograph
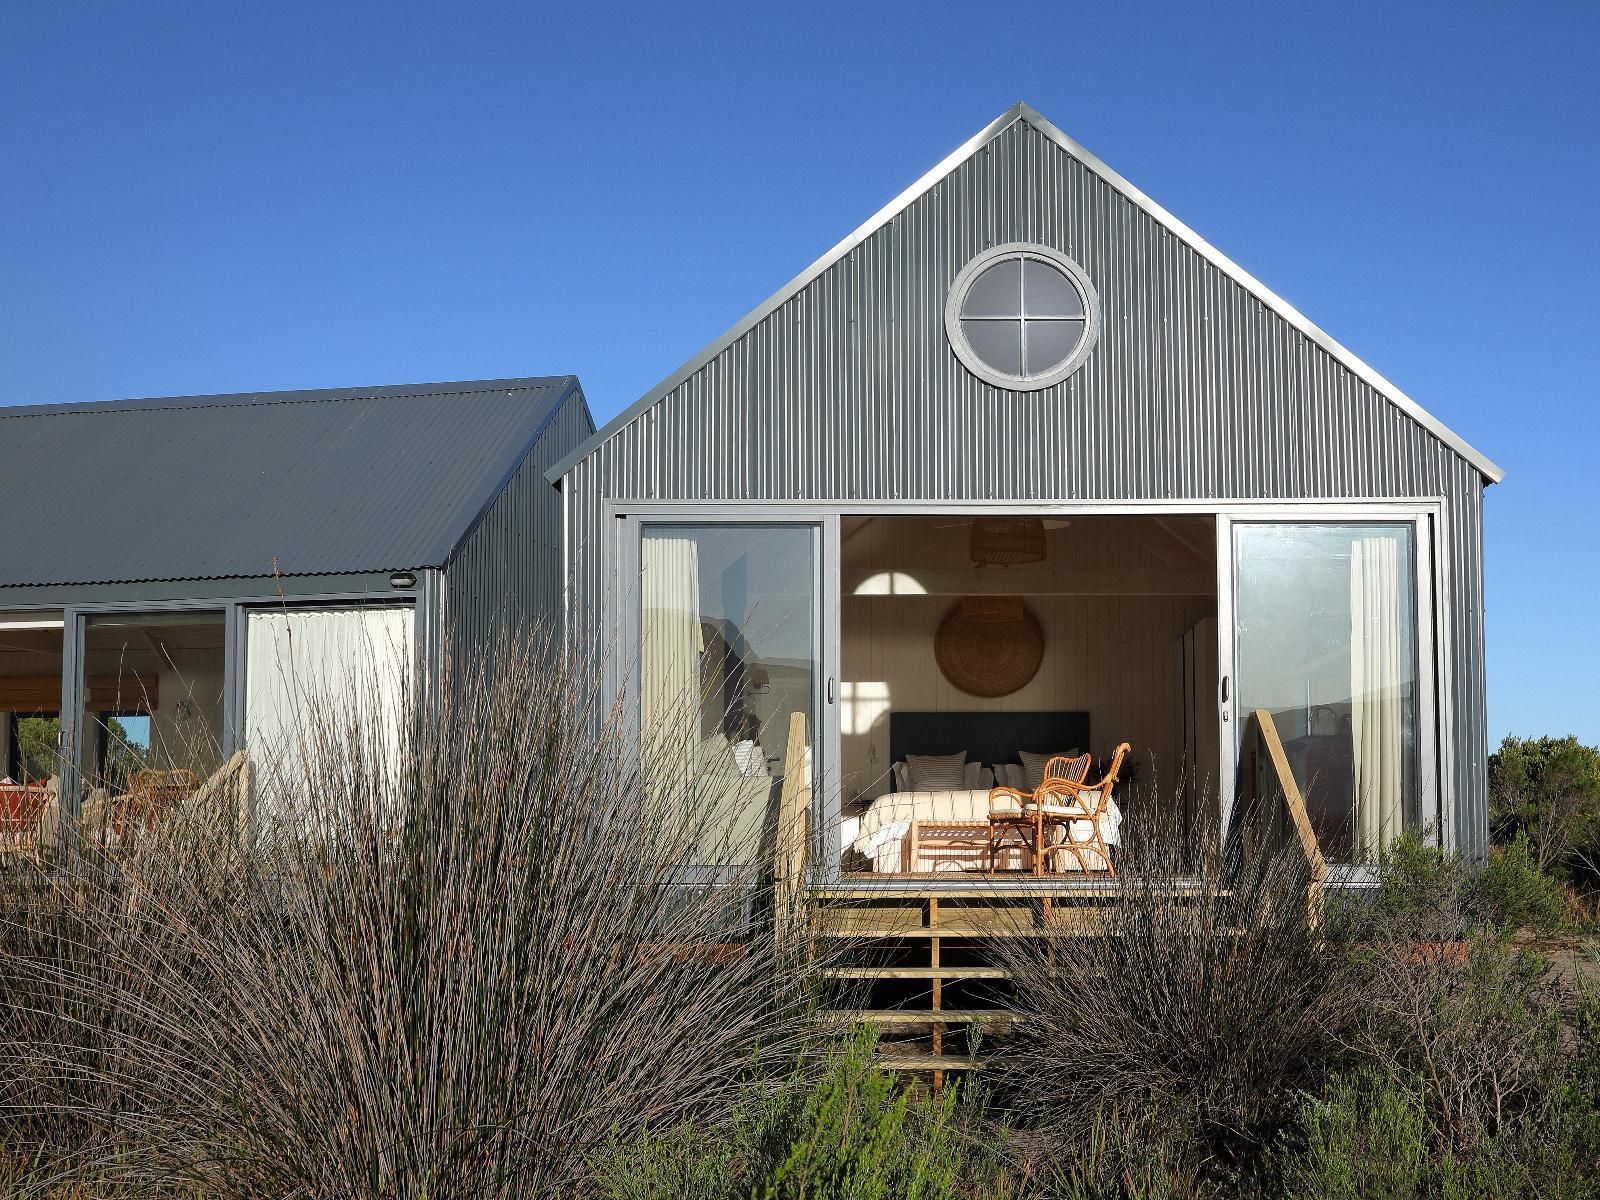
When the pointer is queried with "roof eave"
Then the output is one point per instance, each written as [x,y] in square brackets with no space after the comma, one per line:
[1025,112]
[443,551]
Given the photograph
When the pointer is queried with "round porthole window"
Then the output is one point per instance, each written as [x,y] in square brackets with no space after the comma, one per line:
[1022,317]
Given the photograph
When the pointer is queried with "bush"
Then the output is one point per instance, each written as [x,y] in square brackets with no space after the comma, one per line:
[852,1132]
[1513,893]
[1427,895]
[1548,789]
[1193,1026]
[451,969]
[1482,1038]
[1423,894]
[1367,1139]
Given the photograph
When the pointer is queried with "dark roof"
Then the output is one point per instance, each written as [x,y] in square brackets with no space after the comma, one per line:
[207,487]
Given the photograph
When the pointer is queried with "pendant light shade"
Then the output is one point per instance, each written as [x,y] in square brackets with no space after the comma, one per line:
[1007,541]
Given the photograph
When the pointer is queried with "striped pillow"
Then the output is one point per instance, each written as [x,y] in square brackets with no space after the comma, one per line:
[937,772]
[1033,765]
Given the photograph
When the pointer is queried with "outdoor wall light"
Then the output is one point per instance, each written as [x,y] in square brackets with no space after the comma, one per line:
[403,579]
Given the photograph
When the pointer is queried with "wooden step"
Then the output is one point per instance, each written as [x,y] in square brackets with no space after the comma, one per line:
[897,1061]
[994,891]
[916,973]
[913,1017]
[878,932]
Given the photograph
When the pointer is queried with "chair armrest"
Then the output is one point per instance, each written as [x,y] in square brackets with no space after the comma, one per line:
[1016,796]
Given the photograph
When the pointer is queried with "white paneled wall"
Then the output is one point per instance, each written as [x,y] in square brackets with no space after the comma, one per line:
[1116,656]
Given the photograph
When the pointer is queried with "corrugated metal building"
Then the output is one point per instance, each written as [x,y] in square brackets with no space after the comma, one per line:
[893,379]
[186,516]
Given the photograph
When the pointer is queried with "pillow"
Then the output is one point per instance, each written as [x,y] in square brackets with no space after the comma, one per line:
[901,782]
[979,778]
[1011,776]
[1033,765]
[936,772]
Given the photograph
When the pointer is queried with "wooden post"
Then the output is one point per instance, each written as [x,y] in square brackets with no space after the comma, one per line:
[794,804]
[1296,805]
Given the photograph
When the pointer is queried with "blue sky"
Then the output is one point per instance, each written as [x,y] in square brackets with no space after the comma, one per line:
[217,197]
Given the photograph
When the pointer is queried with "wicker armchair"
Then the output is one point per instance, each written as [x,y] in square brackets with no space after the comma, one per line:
[1060,804]
[150,793]
[1014,817]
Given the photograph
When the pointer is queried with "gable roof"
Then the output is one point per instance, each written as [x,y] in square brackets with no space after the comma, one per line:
[312,482]
[1026,113]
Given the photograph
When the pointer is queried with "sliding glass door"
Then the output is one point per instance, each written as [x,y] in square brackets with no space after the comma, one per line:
[729,677]
[1331,679]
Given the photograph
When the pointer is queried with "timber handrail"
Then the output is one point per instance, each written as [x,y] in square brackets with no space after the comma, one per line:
[1296,804]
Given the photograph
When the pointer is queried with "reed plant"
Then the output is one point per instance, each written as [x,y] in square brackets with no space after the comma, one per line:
[454,960]
[1176,1022]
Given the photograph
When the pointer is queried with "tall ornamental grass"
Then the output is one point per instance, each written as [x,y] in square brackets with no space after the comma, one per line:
[457,963]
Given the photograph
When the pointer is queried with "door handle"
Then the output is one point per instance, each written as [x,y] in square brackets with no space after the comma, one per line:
[1225,712]
[830,689]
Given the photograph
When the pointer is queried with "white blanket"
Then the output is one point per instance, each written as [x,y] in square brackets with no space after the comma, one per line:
[882,829]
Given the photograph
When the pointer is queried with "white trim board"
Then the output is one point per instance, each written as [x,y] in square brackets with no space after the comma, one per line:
[1026,113]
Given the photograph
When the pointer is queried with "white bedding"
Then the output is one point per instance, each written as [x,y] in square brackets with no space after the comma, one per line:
[881,830]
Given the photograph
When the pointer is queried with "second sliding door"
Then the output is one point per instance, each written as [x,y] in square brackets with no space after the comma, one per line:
[1332,659]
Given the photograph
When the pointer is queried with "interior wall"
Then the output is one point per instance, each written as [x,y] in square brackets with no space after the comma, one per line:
[186,724]
[1114,600]
[184,655]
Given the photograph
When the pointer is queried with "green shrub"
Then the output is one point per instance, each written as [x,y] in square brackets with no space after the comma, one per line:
[856,1134]
[1482,1039]
[1368,1138]
[852,1132]
[683,1163]
[1421,891]
[1513,893]
[1548,789]
[1427,894]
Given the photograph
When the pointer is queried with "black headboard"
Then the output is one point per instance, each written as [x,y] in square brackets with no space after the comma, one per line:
[987,737]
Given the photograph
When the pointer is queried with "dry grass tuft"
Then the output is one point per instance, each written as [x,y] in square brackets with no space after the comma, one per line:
[456,967]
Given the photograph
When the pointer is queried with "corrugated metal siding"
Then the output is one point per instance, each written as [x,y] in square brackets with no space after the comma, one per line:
[1196,390]
[212,487]
[506,577]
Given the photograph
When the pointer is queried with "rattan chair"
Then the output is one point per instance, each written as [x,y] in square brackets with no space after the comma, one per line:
[1014,817]
[1088,802]
[151,793]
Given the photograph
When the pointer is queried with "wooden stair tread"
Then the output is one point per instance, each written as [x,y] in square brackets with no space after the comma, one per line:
[897,1061]
[920,1016]
[923,931]
[916,973]
[1004,892]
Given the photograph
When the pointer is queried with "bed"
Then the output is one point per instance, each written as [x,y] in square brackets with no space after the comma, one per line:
[881,834]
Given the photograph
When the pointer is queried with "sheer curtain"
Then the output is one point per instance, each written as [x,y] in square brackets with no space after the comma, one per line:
[1376,687]
[309,665]
[670,647]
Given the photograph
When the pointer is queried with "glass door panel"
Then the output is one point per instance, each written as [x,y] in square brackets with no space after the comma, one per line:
[1326,660]
[151,717]
[728,672]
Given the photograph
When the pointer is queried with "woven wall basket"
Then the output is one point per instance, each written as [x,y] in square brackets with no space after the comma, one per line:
[985,656]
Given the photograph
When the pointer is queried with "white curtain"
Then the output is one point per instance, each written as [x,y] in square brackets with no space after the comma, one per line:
[669,655]
[1376,670]
[306,664]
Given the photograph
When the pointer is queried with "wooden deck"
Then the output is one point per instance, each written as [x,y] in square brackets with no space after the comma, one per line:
[919,951]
